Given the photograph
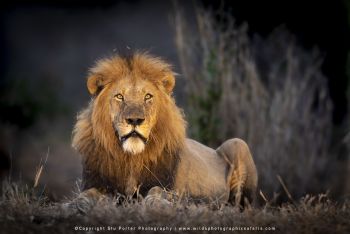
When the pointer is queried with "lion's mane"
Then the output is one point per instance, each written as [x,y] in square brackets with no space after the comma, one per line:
[105,164]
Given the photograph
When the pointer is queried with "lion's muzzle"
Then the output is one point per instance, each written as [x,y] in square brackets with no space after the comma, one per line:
[133,133]
[133,128]
[133,142]
[135,121]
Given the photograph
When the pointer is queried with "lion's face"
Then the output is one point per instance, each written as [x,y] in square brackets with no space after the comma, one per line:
[132,103]
[133,111]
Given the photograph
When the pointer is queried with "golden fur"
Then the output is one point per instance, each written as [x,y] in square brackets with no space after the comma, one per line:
[132,138]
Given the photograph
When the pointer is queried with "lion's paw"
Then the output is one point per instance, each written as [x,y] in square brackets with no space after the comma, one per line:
[85,201]
[157,201]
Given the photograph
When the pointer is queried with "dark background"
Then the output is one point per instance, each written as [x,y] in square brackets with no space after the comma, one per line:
[46,49]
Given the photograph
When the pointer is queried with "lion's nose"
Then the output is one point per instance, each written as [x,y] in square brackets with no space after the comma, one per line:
[134,121]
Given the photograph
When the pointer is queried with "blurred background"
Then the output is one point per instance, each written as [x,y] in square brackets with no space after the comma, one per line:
[274,73]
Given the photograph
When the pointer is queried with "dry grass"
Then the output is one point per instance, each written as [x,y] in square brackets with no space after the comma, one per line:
[25,210]
[269,92]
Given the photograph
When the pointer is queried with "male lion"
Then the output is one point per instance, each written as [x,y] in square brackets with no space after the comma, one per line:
[132,138]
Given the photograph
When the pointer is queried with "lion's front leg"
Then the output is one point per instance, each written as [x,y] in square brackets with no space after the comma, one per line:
[242,174]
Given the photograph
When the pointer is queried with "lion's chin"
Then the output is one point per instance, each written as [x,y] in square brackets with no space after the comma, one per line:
[133,145]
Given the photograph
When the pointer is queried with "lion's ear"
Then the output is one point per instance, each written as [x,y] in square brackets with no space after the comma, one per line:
[169,82]
[95,83]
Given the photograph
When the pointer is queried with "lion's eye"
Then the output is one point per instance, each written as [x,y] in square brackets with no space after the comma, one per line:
[148,97]
[119,97]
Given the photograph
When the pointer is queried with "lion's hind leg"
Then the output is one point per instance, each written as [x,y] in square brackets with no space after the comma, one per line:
[241,171]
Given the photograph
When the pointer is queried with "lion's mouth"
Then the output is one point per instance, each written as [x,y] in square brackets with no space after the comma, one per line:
[133,133]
